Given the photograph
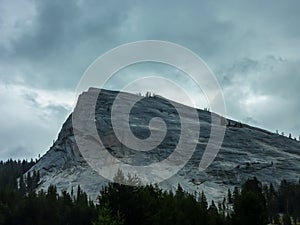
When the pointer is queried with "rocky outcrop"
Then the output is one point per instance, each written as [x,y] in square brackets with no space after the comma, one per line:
[246,151]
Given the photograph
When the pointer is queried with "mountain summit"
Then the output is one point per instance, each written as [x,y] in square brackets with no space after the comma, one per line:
[245,152]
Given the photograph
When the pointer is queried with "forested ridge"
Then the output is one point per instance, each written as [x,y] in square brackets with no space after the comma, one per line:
[253,204]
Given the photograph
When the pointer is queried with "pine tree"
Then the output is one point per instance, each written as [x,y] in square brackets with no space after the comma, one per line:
[22,186]
[251,202]
[29,182]
[236,193]
[287,219]
[179,192]
[106,217]
[213,208]
[229,196]
[119,177]
[203,201]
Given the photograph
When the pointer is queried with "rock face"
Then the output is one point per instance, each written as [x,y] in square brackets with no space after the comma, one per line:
[246,151]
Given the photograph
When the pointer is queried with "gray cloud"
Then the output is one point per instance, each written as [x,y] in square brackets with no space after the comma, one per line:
[266,90]
[30,119]
[45,46]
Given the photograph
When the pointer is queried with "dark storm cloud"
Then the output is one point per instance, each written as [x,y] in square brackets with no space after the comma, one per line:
[64,38]
[60,26]
[45,46]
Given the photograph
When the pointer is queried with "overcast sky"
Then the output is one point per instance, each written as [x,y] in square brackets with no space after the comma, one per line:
[253,47]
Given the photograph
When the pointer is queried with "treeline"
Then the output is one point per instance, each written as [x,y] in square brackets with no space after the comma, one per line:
[46,208]
[11,170]
[284,201]
[253,204]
